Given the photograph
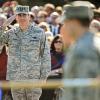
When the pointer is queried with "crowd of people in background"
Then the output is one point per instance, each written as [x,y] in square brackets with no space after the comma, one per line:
[47,17]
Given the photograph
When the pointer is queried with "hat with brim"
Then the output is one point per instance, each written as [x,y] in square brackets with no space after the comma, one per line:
[76,12]
[22,9]
[83,3]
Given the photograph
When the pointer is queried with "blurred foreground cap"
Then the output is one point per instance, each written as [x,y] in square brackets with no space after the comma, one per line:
[22,9]
[83,3]
[66,5]
[77,12]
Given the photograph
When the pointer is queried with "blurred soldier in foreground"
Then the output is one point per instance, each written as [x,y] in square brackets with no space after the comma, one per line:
[29,55]
[83,57]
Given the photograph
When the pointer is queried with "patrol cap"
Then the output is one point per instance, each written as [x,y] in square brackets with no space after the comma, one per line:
[77,12]
[83,3]
[22,9]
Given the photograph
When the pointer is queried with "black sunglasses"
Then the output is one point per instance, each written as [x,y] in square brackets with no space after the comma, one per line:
[58,42]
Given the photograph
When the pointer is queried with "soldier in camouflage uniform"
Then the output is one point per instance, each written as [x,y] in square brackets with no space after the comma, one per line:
[28,55]
[83,57]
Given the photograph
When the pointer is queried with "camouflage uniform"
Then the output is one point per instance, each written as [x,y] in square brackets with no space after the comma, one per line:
[83,61]
[1,31]
[25,60]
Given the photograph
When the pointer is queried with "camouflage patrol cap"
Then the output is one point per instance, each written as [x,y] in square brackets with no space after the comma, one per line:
[83,3]
[75,12]
[22,9]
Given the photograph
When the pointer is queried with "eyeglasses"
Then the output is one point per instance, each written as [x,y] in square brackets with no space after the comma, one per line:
[58,42]
[22,15]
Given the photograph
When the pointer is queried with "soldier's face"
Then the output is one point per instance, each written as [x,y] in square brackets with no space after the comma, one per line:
[71,26]
[22,18]
[65,35]
[70,30]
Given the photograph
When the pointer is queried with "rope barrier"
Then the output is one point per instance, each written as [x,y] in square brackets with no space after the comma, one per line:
[68,83]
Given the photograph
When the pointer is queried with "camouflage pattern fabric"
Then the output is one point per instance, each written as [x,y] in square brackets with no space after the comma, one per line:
[24,60]
[83,61]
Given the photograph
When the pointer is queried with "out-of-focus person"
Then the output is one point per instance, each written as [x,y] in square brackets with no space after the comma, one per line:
[59,10]
[95,26]
[57,60]
[50,39]
[57,54]
[42,16]
[48,33]
[97,14]
[54,25]
[35,10]
[29,55]
[45,27]
[49,8]
[83,56]
[41,8]
[32,17]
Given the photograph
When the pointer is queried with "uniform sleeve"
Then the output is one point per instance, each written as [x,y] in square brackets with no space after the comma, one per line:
[4,38]
[45,59]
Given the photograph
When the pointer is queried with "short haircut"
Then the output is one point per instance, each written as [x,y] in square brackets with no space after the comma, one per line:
[85,22]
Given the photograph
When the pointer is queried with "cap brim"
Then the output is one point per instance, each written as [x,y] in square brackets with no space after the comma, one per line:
[21,13]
